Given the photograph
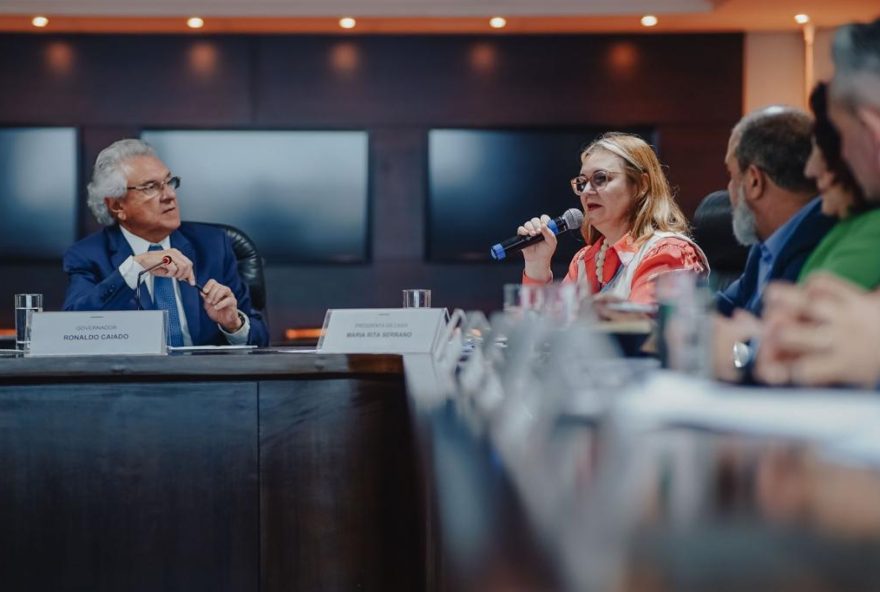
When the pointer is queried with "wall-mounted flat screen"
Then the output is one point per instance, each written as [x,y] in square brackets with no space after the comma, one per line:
[482,184]
[38,192]
[302,196]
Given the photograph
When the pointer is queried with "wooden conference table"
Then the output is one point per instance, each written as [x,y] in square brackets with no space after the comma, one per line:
[257,471]
[299,471]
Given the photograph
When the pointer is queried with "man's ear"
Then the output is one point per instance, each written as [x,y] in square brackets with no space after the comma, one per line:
[114,206]
[754,182]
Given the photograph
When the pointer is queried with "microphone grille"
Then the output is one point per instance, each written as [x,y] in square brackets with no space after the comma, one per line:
[573,218]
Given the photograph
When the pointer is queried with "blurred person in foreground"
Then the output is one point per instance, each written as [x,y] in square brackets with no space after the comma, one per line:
[633,228]
[851,250]
[829,331]
[134,195]
[795,485]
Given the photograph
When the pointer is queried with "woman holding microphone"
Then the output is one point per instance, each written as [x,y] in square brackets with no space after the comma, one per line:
[633,228]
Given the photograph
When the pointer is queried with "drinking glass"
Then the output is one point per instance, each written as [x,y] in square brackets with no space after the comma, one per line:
[512,295]
[531,297]
[684,322]
[25,306]
[417,298]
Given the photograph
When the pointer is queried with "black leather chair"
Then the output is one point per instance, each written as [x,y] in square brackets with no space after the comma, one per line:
[250,265]
[713,231]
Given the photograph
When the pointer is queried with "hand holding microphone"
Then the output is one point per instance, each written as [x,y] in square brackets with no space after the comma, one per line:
[536,238]
[538,255]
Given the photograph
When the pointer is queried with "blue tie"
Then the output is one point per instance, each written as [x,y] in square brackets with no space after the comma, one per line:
[163,296]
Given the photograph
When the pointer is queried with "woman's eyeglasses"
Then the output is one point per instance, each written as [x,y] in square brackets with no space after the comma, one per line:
[597,181]
[152,189]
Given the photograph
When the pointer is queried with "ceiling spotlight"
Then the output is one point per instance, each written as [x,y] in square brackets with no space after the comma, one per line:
[195,23]
[497,22]
[40,21]
[347,23]
[649,20]
[802,19]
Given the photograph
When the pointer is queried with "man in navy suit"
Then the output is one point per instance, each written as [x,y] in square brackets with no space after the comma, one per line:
[775,208]
[133,194]
[776,212]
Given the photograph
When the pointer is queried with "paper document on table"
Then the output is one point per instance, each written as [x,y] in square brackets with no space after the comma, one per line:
[198,348]
[291,350]
[804,414]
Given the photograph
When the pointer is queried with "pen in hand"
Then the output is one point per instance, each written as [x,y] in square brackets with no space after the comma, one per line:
[198,286]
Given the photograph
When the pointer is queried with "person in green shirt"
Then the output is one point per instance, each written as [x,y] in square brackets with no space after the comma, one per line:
[851,249]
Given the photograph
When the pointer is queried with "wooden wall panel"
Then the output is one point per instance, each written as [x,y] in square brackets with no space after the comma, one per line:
[125,80]
[694,155]
[498,81]
[399,176]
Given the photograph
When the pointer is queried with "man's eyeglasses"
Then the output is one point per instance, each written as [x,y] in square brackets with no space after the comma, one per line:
[152,189]
[597,181]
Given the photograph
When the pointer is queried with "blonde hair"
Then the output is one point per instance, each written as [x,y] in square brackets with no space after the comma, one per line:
[654,208]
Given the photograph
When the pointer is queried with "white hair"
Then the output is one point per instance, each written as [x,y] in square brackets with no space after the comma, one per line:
[109,175]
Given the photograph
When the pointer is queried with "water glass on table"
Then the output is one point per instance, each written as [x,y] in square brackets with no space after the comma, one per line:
[684,322]
[417,298]
[25,307]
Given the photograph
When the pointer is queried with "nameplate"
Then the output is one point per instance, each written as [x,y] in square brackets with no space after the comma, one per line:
[382,330]
[117,332]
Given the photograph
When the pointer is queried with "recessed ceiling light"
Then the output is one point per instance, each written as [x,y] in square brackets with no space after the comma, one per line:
[649,20]
[497,22]
[802,19]
[195,23]
[40,21]
[347,23]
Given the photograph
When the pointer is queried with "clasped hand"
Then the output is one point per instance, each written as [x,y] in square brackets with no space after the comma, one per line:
[220,303]
[826,332]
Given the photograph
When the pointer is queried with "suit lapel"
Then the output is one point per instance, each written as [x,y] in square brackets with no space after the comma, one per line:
[189,295]
[806,236]
[118,246]
[751,270]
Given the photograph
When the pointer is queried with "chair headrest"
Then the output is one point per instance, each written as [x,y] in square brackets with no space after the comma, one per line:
[713,231]
[250,263]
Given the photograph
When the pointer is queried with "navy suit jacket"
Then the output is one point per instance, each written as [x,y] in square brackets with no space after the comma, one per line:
[92,266]
[787,265]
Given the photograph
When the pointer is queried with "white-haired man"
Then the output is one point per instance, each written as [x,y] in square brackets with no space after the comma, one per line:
[134,195]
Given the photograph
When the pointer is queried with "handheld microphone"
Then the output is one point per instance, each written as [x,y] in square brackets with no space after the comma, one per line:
[137,290]
[570,220]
